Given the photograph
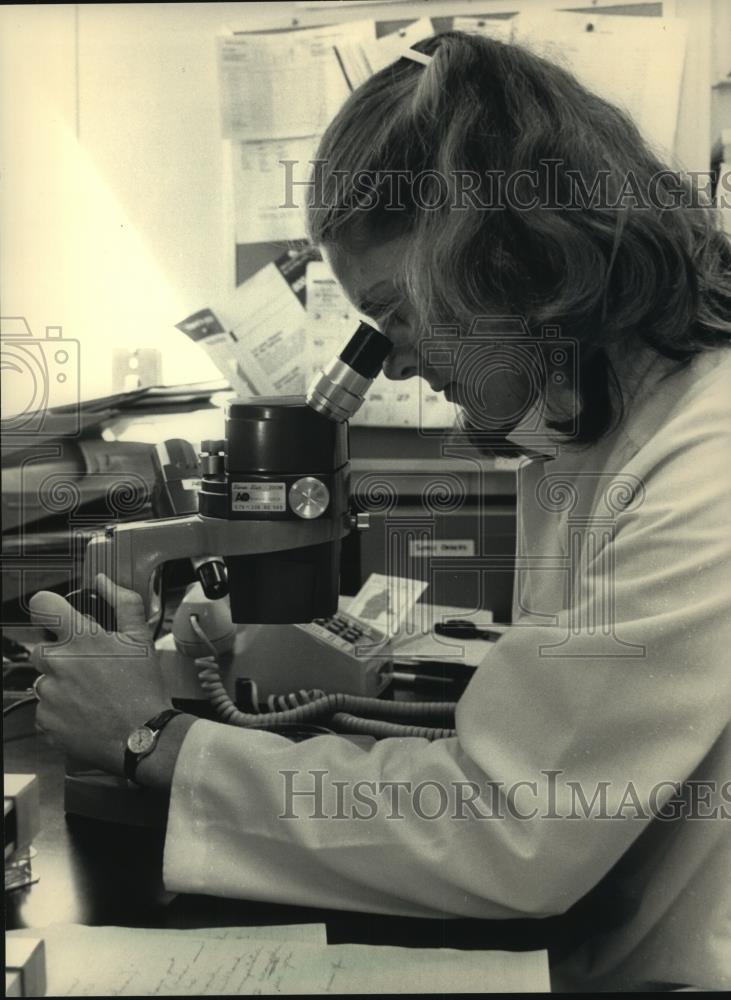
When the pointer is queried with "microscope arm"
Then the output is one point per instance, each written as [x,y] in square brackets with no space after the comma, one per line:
[131,554]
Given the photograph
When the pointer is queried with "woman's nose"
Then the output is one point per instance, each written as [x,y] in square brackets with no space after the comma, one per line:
[401,363]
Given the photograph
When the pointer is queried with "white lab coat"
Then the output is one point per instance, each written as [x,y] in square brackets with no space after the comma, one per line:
[616,677]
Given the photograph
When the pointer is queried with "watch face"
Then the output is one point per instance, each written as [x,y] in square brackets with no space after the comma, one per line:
[142,740]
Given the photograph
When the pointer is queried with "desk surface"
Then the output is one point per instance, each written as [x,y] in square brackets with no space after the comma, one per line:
[96,873]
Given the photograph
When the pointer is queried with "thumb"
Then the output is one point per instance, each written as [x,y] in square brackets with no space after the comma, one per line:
[56,614]
[128,607]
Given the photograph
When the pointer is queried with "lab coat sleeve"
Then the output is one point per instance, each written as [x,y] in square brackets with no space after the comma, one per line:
[540,729]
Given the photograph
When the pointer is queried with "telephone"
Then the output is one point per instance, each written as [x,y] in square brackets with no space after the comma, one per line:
[340,654]
[336,654]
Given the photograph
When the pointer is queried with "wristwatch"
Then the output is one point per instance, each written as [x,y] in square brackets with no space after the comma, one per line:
[141,742]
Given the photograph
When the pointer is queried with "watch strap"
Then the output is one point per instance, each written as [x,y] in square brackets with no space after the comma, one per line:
[156,726]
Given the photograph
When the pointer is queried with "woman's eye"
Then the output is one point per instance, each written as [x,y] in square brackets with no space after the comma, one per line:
[395,319]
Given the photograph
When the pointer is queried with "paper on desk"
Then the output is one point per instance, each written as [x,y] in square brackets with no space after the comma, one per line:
[256,336]
[134,963]
[331,321]
[305,933]
[285,84]
[634,62]
[388,603]
[422,643]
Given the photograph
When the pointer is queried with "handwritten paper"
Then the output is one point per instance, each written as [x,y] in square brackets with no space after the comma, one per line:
[331,321]
[634,62]
[133,962]
[304,933]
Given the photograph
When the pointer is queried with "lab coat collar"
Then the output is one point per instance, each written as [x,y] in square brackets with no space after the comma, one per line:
[638,374]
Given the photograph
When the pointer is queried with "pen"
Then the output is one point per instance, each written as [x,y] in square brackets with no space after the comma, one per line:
[460,628]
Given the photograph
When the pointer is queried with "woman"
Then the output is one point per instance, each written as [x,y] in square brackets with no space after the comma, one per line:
[587,774]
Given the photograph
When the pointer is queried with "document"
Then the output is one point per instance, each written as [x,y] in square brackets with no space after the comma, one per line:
[256,336]
[331,321]
[390,47]
[500,28]
[284,84]
[361,57]
[278,93]
[134,962]
[388,604]
[634,62]
[269,196]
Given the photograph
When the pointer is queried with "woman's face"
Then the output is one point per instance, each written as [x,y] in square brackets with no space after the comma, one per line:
[368,279]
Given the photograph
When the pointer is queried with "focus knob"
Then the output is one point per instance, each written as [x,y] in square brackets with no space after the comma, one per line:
[213,578]
[209,447]
[212,457]
[309,497]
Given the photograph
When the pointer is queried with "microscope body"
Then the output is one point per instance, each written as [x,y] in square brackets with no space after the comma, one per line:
[273,505]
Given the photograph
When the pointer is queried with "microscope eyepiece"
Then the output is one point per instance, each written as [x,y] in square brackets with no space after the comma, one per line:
[339,388]
[366,351]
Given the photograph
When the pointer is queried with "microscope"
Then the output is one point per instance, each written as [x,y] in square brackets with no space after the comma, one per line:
[272,505]
[273,508]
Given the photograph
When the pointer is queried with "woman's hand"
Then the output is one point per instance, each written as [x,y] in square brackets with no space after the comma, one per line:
[98,686]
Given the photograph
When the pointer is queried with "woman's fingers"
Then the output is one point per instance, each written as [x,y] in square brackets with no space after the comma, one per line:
[127,604]
[52,612]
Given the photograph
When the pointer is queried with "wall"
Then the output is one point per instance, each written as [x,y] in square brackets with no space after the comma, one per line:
[116,212]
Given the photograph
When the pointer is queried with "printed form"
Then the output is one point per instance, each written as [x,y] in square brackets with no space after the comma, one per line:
[279,91]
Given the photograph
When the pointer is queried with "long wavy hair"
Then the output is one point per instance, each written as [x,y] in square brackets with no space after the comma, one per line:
[581,225]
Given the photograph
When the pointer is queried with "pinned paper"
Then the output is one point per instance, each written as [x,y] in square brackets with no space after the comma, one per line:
[269,181]
[360,58]
[256,338]
[500,28]
[634,62]
[284,84]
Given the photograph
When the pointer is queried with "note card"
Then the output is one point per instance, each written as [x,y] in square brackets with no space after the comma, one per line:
[134,962]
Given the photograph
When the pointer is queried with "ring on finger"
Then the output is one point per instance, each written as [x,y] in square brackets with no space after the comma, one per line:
[37,686]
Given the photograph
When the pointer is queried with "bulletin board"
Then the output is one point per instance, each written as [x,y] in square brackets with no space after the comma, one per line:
[692,137]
